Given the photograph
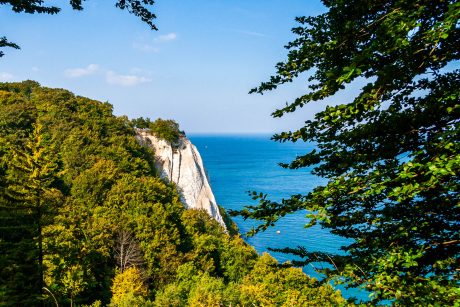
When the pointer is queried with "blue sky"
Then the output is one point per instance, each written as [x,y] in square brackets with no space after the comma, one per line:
[197,69]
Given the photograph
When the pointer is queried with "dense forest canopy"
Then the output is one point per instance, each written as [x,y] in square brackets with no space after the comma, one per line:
[391,154]
[85,219]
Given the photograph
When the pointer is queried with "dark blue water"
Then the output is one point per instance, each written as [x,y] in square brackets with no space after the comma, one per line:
[238,163]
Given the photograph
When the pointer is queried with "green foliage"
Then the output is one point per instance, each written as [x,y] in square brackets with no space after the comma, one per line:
[28,204]
[5,43]
[73,176]
[269,285]
[391,154]
[136,7]
[265,285]
[100,157]
[166,129]
[231,226]
[140,122]
[127,284]
[95,304]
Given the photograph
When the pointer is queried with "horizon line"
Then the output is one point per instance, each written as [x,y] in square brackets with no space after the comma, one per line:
[231,132]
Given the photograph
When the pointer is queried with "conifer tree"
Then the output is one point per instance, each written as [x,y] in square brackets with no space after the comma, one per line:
[27,204]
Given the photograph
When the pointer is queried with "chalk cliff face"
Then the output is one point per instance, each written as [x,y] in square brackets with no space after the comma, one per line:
[182,164]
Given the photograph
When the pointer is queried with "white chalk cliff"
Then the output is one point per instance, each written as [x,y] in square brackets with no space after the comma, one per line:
[182,164]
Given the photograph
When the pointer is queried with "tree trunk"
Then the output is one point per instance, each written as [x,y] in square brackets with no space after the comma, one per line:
[40,253]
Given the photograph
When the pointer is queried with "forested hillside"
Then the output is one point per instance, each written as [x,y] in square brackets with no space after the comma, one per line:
[84,217]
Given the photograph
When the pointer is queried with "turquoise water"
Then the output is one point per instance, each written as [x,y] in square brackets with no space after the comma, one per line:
[238,163]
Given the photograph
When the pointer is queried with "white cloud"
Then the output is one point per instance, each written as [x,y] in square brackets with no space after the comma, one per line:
[145,47]
[78,72]
[112,78]
[142,72]
[35,68]
[252,33]
[135,70]
[166,37]
[6,76]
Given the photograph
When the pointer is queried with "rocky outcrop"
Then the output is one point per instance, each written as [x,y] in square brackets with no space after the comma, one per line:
[181,163]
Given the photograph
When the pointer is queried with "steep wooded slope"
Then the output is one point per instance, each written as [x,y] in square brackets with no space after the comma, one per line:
[73,179]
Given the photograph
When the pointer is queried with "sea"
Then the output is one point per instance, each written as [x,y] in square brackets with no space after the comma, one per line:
[250,162]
